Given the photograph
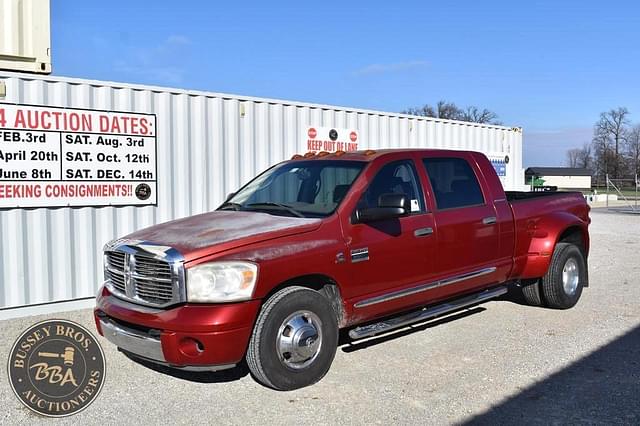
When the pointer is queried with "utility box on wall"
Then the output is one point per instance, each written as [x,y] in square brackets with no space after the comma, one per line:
[25,40]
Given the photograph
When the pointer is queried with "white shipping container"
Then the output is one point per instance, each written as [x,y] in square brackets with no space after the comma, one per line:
[208,145]
[25,41]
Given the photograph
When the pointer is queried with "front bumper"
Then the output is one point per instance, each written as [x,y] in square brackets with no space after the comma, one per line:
[194,337]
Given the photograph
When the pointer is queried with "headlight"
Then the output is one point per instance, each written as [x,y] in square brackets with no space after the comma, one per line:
[221,281]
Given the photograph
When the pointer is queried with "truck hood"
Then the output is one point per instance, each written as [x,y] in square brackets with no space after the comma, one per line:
[213,232]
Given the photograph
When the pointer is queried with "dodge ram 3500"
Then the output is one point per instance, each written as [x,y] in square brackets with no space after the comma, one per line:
[365,241]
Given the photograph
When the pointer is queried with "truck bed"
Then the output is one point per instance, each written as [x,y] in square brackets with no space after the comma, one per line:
[539,216]
[513,196]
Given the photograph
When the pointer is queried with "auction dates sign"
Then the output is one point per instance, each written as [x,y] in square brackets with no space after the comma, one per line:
[58,157]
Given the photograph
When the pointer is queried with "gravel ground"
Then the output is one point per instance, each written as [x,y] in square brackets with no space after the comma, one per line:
[499,363]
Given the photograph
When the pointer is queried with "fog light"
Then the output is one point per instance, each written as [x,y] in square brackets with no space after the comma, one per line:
[190,347]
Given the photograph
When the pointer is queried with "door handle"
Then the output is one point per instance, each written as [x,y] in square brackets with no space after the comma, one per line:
[491,220]
[423,232]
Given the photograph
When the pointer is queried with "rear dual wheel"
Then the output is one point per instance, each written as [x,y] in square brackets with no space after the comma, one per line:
[561,287]
[567,274]
[531,292]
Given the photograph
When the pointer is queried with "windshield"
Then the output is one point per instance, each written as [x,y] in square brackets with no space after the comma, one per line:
[299,188]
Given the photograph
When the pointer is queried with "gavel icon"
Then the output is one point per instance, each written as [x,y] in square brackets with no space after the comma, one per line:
[67,355]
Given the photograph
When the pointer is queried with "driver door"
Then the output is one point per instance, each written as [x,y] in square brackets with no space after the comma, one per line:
[394,254]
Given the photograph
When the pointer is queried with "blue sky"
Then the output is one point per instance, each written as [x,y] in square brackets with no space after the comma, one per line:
[548,66]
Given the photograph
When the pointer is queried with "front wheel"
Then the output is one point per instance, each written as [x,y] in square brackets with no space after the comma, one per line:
[294,340]
[567,274]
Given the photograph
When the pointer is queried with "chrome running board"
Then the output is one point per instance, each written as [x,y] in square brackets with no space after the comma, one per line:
[425,313]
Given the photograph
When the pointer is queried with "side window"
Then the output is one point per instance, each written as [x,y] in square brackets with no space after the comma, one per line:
[454,183]
[398,177]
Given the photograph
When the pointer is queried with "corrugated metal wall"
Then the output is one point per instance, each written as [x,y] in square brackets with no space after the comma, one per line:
[208,145]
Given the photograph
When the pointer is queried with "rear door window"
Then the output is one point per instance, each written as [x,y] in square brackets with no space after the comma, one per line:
[454,183]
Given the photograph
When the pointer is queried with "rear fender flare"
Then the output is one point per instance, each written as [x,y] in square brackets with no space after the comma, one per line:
[545,234]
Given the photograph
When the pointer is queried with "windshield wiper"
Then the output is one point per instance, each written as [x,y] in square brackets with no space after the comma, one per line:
[278,205]
[230,206]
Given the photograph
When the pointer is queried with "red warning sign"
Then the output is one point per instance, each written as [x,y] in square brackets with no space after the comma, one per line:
[330,139]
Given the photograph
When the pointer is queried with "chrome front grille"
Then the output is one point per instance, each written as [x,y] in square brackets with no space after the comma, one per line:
[114,270]
[144,277]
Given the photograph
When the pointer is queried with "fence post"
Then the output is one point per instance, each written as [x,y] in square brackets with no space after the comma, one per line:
[607,196]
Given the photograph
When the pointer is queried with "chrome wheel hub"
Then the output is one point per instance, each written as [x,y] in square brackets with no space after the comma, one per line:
[299,339]
[570,276]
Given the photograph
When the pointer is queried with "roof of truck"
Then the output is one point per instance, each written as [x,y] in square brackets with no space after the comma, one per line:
[363,155]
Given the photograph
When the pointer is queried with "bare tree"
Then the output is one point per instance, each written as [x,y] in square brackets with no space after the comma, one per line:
[477,115]
[572,157]
[601,155]
[450,111]
[423,111]
[585,160]
[580,157]
[609,134]
[633,149]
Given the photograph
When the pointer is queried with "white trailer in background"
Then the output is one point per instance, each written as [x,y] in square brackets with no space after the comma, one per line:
[206,146]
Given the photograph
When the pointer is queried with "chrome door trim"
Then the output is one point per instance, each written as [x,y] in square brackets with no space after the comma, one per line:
[467,276]
[423,287]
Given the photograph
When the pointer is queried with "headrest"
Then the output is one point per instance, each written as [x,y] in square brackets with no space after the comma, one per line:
[462,185]
[339,192]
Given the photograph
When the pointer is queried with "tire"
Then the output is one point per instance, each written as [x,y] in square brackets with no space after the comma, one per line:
[531,293]
[562,284]
[299,319]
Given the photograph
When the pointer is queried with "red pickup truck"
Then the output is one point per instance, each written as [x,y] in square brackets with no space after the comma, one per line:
[366,241]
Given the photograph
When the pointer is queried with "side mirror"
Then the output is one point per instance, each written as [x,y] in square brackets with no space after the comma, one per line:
[389,206]
[395,200]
